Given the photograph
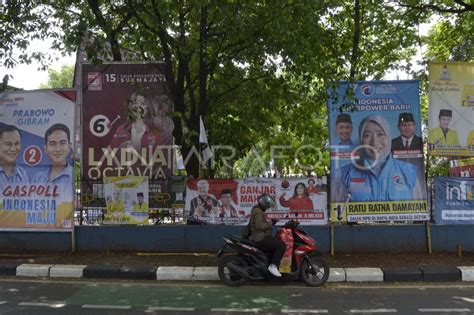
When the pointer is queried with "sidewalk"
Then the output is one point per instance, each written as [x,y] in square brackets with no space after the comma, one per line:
[354,267]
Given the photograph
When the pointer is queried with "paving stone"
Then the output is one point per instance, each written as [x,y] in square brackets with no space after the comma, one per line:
[206,274]
[441,273]
[8,269]
[67,271]
[33,270]
[337,275]
[467,273]
[174,273]
[133,272]
[402,274]
[96,271]
[364,275]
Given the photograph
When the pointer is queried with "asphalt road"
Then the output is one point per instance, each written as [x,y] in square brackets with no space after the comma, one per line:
[85,297]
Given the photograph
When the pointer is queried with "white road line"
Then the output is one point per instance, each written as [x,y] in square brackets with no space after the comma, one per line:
[376,310]
[113,307]
[166,308]
[243,310]
[53,305]
[289,311]
[465,299]
[443,310]
[3,302]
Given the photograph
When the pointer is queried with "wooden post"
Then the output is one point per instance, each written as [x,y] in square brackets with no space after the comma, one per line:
[428,238]
[73,239]
[331,238]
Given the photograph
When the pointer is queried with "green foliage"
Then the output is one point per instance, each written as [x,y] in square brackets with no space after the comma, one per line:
[437,166]
[22,22]
[452,39]
[256,71]
[62,78]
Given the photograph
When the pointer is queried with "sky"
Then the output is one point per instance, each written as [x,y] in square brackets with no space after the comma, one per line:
[28,77]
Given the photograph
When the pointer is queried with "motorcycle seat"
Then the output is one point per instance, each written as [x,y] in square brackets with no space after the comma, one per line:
[243,240]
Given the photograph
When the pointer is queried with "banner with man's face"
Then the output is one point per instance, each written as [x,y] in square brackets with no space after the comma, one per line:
[451,109]
[127,200]
[36,166]
[230,201]
[377,169]
[127,126]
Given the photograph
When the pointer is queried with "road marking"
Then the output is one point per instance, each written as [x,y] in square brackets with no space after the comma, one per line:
[243,310]
[113,307]
[3,302]
[53,305]
[165,308]
[376,310]
[289,311]
[443,310]
[465,299]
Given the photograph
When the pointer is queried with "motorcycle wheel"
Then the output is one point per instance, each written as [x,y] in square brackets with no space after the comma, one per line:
[315,271]
[226,275]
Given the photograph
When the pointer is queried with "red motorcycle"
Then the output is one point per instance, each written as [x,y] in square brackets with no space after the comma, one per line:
[300,261]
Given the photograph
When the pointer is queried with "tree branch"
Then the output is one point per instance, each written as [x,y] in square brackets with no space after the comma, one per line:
[466,7]
[355,41]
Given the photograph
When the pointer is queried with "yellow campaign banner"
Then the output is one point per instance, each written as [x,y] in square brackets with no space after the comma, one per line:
[409,210]
[451,109]
[127,200]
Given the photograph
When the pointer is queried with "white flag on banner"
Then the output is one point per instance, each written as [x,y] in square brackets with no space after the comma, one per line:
[179,159]
[206,151]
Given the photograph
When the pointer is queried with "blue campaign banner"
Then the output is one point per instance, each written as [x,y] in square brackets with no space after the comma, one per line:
[454,200]
[376,152]
[36,167]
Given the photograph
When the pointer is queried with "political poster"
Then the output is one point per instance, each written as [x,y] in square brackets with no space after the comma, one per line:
[451,109]
[127,200]
[127,128]
[230,201]
[376,149]
[461,167]
[36,166]
[454,200]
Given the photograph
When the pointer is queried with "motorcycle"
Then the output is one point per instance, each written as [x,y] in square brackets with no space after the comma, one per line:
[301,260]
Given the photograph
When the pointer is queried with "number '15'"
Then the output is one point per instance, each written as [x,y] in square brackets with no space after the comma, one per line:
[110,77]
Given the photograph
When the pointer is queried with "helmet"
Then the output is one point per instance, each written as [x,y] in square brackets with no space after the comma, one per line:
[265,201]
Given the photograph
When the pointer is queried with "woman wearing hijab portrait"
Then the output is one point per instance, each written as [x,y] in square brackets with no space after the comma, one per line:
[376,175]
[299,201]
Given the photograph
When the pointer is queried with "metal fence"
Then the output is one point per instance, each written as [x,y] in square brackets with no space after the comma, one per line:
[166,202]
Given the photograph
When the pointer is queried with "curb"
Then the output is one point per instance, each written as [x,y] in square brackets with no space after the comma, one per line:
[178,273]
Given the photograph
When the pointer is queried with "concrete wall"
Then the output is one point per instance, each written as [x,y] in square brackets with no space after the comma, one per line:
[195,238]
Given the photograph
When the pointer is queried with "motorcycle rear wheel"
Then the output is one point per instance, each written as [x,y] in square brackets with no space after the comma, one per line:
[314,272]
[228,276]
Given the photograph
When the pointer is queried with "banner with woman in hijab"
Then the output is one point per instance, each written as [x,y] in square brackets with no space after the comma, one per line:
[377,170]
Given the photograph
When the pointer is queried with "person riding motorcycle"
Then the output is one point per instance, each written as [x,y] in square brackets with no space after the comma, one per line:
[261,232]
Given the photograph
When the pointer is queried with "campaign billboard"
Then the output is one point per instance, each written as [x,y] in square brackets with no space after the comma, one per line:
[127,200]
[451,109]
[376,149]
[454,200]
[461,168]
[36,165]
[230,201]
[127,129]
